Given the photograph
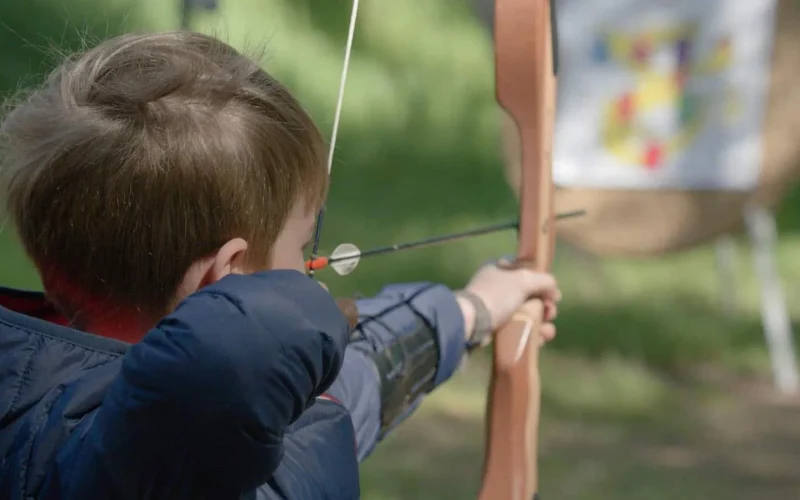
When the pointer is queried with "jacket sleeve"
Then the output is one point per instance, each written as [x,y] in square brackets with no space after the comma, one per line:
[201,405]
[409,340]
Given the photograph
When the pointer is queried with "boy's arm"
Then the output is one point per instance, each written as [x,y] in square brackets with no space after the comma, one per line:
[204,400]
[410,339]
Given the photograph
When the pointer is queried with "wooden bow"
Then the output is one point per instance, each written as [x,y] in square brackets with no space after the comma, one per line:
[525,47]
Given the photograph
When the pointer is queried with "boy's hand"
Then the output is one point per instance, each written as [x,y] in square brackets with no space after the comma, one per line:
[347,306]
[504,291]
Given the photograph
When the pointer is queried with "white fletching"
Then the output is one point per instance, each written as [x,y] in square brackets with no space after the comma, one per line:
[346,257]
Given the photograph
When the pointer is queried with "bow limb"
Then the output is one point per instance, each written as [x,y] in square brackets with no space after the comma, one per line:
[526,89]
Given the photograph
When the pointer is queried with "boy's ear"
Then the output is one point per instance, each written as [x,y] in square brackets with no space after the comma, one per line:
[229,259]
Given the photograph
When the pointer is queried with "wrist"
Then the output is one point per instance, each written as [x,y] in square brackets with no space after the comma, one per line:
[477,319]
[468,312]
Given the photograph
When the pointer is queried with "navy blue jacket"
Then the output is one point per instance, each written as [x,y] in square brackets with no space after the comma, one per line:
[253,388]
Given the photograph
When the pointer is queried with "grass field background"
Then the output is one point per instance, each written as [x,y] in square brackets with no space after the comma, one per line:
[650,392]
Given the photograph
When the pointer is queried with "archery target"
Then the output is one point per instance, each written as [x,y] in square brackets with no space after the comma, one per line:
[639,223]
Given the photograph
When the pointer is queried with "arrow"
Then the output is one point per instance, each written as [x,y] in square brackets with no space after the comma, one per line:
[347,256]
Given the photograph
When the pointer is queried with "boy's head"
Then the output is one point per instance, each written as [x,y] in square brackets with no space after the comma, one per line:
[151,165]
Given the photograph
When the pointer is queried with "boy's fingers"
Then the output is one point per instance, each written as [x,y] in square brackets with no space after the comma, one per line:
[547,333]
[505,263]
[550,310]
[541,285]
[534,283]
[550,295]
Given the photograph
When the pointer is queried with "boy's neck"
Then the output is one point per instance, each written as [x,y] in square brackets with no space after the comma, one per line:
[116,332]
[91,313]
[123,327]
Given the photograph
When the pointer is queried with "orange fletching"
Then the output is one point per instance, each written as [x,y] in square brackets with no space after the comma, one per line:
[316,264]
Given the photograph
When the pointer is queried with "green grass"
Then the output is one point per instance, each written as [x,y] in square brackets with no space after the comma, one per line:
[649,391]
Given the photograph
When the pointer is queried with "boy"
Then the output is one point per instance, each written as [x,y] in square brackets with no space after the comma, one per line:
[165,187]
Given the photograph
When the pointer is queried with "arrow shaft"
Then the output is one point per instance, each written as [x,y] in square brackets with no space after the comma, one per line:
[494,228]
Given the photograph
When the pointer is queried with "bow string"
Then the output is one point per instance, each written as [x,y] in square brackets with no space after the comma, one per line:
[525,47]
[337,119]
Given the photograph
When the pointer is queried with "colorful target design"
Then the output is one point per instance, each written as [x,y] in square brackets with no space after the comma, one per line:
[668,102]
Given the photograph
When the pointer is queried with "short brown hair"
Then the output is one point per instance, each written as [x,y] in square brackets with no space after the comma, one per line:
[139,156]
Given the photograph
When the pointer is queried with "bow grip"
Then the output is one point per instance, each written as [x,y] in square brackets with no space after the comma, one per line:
[510,470]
